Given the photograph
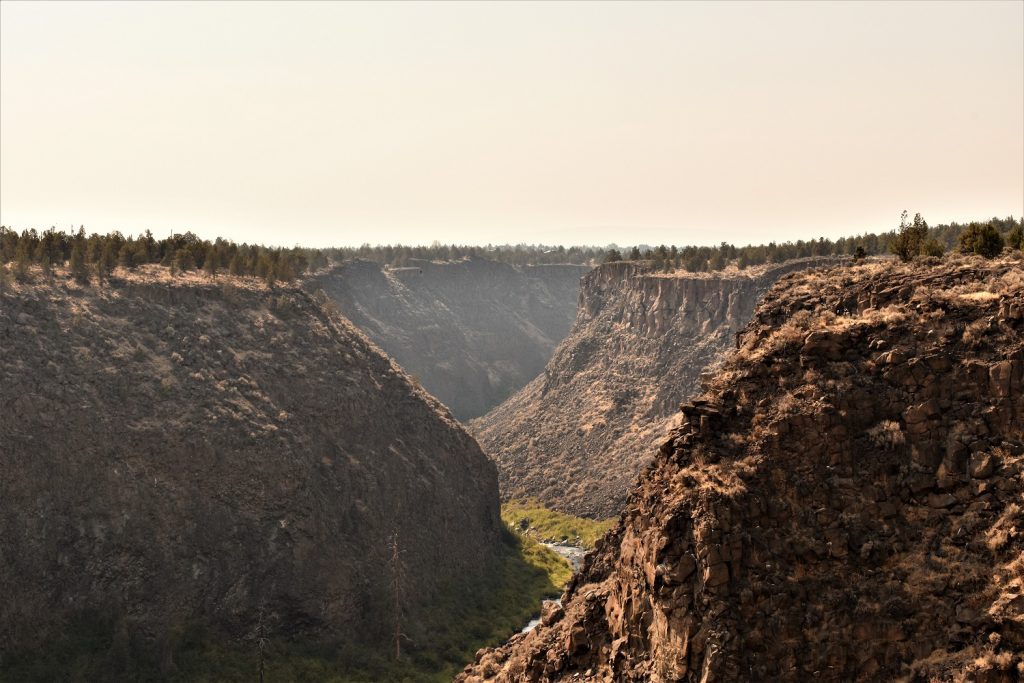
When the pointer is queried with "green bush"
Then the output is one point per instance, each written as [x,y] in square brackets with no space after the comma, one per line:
[983,239]
[1015,238]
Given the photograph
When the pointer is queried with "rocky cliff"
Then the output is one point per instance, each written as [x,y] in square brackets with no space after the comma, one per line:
[181,451]
[843,502]
[472,331]
[577,435]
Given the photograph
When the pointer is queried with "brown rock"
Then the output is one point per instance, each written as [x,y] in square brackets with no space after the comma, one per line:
[981,465]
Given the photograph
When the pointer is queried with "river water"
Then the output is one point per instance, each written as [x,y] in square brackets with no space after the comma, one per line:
[575,557]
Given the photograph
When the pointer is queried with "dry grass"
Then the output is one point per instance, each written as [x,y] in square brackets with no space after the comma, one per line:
[1006,527]
[887,434]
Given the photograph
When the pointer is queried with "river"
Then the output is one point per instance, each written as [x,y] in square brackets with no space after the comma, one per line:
[575,557]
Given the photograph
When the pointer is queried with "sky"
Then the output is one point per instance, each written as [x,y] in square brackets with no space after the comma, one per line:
[558,123]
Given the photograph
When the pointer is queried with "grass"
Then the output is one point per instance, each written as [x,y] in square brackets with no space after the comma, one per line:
[94,646]
[532,519]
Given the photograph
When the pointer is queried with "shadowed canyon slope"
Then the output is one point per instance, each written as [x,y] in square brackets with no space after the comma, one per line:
[178,451]
[577,435]
[843,502]
[472,331]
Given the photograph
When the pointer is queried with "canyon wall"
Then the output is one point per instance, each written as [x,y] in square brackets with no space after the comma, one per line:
[578,434]
[186,451]
[472,331]
[841,502]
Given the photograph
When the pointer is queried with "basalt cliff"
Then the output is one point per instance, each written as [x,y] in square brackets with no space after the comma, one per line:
[843,501]
[472,331]
[180,451]
[577,435]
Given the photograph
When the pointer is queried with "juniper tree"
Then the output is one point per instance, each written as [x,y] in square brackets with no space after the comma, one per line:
[1015,239]
[982,239]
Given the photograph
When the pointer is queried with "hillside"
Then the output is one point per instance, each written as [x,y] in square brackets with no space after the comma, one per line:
[843,502]
[578,434]
[186,452]
[472,331]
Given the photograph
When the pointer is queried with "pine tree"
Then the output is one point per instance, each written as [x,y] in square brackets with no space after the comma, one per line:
[107,261]
[79,270]
[910,238]
[210,262]
[22,262]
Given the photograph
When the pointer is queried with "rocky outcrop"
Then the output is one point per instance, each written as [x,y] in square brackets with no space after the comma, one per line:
[182,451]
[843,502]
[577,435]
[472,331]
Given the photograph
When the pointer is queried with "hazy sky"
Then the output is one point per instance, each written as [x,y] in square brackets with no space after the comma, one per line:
[327,123]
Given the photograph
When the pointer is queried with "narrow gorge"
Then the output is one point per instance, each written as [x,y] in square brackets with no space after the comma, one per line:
[472,331]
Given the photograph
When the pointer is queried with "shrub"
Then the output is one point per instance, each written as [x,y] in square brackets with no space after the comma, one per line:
[1016,238]
[932,247]
[981,239]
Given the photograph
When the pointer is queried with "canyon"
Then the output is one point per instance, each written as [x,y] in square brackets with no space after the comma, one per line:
[577,435]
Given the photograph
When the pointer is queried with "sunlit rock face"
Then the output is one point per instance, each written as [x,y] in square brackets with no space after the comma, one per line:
[842,500]
[577,435]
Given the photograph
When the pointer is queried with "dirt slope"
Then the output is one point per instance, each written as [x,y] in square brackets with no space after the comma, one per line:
[472,331]
[844,502]
[576,437]
[180,451]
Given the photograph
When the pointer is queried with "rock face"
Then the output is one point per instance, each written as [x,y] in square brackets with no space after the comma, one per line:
[472,331]
[180,451]
[577,436]
[843,502]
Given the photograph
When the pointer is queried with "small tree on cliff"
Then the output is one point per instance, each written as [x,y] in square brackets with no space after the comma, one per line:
[210,262]
[77,266]
[910,238]
[612,255]
[22,261]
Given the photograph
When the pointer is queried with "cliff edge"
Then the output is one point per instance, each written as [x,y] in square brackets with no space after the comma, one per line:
[843,501]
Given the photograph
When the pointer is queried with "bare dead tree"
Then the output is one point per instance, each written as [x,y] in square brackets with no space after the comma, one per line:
[395,562]
[261,642]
